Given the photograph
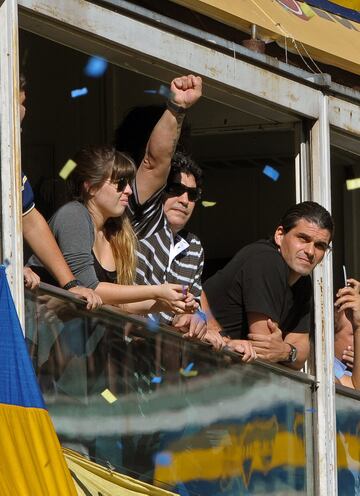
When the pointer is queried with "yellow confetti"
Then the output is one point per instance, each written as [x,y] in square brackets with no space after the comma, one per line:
[208,203]
[308,11]
[189,373]
[108,396]
[67,169]
[353,183]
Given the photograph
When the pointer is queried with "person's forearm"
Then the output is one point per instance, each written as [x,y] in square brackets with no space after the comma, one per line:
[116,294]
[138,308]
[42,242]
[356,367]
[162,143]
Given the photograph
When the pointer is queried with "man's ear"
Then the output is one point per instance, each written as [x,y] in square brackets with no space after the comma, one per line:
[279,235]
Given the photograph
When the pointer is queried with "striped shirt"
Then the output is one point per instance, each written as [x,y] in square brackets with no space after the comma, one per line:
[163,257]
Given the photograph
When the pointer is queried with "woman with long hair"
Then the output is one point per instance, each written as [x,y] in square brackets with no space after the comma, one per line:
[97,240]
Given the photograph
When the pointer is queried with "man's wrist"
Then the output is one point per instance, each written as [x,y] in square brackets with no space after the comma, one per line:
[177,109]
[74,283]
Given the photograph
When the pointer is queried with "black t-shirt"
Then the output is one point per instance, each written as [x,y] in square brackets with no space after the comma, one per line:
[256,280]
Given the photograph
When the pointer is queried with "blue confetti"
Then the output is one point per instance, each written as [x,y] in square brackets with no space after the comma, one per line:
[95,67]
[164,91]
[201,314]
[163,458]
[271,172]
[156,380]
[79,92]
[119,444]
[153,323]
[189,367]
[310,410]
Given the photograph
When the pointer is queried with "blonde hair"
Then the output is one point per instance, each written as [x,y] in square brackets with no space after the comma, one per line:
[95,165]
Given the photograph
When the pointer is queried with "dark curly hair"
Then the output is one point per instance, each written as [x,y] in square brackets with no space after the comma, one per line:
[181,162]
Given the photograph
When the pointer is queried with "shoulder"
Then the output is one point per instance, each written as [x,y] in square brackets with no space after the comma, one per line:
[72,215]
[263,252]
[73,208]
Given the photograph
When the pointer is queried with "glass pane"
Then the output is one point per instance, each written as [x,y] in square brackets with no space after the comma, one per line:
[166,411]
[348,444]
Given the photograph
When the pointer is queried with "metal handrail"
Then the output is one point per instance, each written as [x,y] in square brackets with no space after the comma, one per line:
[113,313]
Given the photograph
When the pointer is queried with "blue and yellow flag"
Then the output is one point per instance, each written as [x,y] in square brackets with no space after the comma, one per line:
[32,463]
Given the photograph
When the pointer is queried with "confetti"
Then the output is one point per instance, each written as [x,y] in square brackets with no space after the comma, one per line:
[108,396]
[79,92]
[163,458]
[189,367]
[152,323]
[271,172]
[310,410]
[164,91]
[119,444]
[188,371]
[353,184]
[95,67]
[201,314]
[67,169]
[156,380]
[184,290]
[208,203]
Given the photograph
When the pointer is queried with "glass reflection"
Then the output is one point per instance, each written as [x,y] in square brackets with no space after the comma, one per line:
[166,411]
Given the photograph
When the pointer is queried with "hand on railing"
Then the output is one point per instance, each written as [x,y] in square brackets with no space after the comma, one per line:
[192,325]
[93,300]
[31,279]
[242,346]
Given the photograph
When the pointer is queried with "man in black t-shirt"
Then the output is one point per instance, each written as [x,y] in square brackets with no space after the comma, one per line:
[264,293]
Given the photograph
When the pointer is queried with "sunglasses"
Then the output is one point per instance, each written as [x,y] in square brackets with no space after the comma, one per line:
[121,183]
[178,189]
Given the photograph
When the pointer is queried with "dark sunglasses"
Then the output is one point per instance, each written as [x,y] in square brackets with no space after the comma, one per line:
[121,183]
[178,189]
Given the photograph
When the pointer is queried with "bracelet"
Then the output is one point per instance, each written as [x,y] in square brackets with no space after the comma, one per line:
[72,284]
[175,107]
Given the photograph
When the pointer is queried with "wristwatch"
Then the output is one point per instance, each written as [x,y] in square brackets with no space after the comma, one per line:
[72,284]
[292,354]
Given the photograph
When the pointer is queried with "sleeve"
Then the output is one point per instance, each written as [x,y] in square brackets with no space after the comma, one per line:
[263,280]
[149,217]
[74,233]
[28,202]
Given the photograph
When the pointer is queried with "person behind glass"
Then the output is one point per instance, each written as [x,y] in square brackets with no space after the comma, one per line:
[37,234]
[264,293]
[97,239]
[347,335]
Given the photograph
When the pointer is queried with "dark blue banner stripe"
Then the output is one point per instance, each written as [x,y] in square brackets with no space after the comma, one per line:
[334,8]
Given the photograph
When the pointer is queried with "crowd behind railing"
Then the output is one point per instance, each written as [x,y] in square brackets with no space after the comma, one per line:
[122,241]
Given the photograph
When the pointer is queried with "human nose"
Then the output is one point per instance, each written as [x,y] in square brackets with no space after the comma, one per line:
[184,198]
[310,249]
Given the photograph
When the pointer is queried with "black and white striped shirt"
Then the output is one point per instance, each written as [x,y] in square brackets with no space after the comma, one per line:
[163,257]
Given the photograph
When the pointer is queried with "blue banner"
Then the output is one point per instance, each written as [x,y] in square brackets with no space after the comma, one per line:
[336,8]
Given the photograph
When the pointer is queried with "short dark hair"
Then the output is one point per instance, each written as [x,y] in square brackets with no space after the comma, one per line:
[181,162]
[310,211]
